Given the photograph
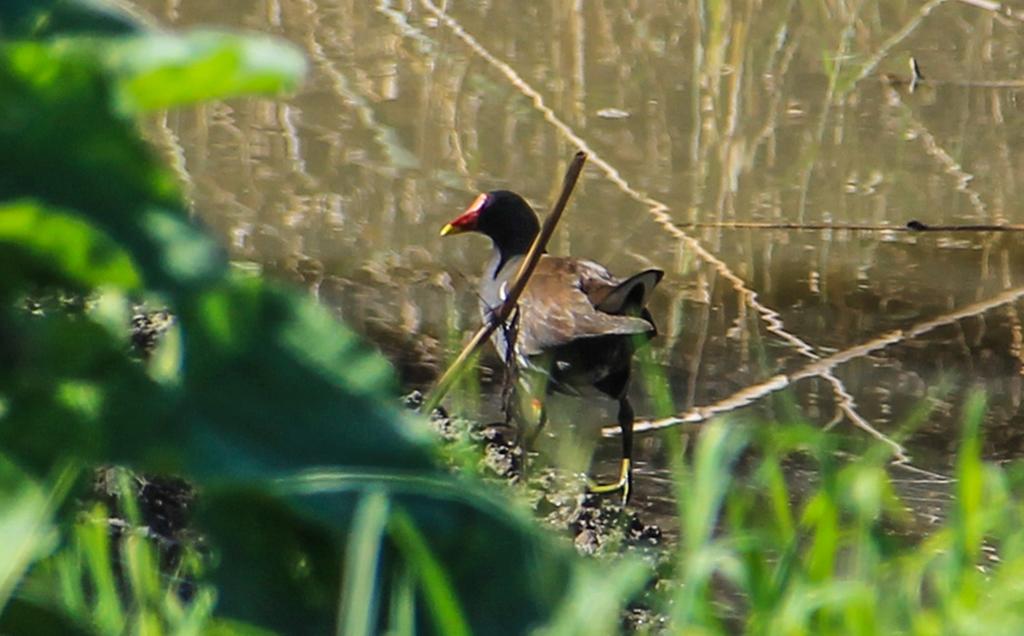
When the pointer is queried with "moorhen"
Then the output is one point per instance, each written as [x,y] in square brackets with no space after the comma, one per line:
[578,325]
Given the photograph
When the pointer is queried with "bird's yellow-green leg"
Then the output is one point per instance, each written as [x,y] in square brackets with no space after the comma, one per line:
[625,482]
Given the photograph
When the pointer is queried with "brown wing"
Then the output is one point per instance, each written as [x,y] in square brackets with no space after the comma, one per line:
[557,306]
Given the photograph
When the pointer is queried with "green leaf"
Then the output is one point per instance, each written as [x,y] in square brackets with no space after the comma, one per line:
[24,616]
[163,71]
[286,575]
[597,599]
[275,567]
[39,246]
[270,384]
[26,527]
[274,384]
[718,448]
[471,533]
[359,591]
[969,514]
[438,589]
[48,18]
[69,379]
[65,147]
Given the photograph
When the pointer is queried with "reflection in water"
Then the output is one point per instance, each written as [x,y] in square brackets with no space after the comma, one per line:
[409,112]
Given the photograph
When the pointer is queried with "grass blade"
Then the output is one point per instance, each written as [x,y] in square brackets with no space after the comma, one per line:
[434,581]
[359,590]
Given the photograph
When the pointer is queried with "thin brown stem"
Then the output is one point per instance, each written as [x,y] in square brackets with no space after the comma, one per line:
[501,314]
[911,226]
[820,367]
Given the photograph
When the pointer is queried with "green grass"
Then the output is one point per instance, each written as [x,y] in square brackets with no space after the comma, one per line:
[758,552]
[841,557]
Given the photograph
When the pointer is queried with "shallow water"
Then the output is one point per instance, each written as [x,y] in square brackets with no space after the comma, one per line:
[709,114]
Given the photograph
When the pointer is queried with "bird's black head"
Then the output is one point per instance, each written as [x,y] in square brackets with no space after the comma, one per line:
[503,216]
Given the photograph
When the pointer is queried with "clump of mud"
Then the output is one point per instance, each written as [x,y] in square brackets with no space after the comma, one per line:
[594,521]
[164,506]
[596,524]
[147,328]
[500,454]
[165,503]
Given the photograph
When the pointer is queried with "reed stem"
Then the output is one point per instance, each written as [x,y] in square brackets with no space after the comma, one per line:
[501,314]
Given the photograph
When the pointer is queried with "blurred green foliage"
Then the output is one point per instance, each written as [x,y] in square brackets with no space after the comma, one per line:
[256,387]
[323,507]
[40,19]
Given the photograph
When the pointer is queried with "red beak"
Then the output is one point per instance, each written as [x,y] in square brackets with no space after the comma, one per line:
[466,222]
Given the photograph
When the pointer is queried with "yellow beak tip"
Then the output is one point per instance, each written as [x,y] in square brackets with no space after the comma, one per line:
[448,229]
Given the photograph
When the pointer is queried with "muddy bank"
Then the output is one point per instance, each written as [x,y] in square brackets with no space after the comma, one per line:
[597,525]
[594,523]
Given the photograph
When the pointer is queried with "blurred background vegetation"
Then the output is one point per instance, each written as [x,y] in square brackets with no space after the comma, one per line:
[138,190]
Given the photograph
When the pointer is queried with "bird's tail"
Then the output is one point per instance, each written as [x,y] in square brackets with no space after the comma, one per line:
[632,294]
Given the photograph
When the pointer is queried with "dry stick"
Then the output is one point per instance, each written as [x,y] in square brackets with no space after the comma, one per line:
[750,394]
[499,315]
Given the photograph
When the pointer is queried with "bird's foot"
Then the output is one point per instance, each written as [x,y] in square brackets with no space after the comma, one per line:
[623,485]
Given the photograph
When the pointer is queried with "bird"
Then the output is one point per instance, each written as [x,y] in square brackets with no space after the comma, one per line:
[916,77]
[578,325]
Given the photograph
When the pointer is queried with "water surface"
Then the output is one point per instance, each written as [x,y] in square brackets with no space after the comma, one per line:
[697,117]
